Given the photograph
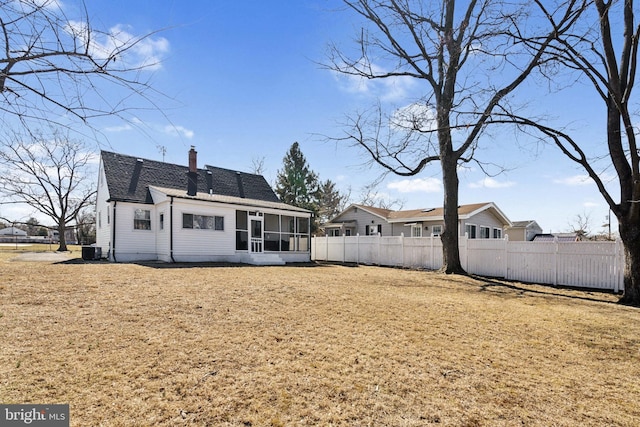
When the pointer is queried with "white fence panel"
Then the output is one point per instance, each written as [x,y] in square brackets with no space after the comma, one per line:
[531,262]
[588,264]
[487,257]
[580,264]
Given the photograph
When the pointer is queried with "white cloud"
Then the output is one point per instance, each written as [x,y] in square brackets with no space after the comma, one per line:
[388,89]
[575,180]
[122,128]
[178,131]
[135,52]
[590,204]
[489,182]
[415,116]
[417,185]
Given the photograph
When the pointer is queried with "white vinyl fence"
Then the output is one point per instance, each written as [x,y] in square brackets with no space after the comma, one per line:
[597,265]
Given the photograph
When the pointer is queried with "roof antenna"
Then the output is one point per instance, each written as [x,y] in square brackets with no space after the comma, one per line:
[163,150]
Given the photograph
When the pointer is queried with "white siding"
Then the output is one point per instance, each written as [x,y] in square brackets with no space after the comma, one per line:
[195,245]
[486,218]
[103,214]
[131,244]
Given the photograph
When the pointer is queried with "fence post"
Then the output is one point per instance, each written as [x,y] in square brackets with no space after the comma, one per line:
[555,261]
[506,256]
[432,261]
[617,266]
[379,247]
[357,248]
[326,249]
[402,249]
[465,239]
[344,248]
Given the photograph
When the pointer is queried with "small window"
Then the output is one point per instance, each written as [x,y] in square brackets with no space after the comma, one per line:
[142,219]
[219,223]
[485,232]
[497,233]
[416,230]
[436,230]
[470,229]
[161,221]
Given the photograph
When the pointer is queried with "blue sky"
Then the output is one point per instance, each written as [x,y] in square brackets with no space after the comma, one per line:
[242,82]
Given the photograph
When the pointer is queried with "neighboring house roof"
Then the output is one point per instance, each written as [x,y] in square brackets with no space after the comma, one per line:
[228,199]
[129,178]
[525,224]
[12,231]
[561,237]
[428,214]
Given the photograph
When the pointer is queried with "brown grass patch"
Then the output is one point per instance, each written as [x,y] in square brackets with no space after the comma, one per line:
[129,345]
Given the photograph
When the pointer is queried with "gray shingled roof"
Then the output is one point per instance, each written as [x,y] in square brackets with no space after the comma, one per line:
[128,179]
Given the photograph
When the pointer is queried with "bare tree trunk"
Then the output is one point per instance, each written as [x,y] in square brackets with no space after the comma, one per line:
[450,250]
[62,244]
[630,235]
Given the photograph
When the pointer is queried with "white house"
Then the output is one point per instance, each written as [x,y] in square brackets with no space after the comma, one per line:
[12,231]
[479,220]
[523,231]
[154,211]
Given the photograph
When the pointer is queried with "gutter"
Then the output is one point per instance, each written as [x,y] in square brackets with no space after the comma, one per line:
[171,230]
[113,238]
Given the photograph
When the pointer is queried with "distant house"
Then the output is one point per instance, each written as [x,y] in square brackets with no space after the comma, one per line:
[480,221]
[523,231]
[12,231]
[150,210]
[560,237]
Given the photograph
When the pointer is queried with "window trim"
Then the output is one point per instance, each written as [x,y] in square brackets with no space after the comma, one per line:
[475,230]
[488,230]
[213,223]
[434,232]
[138,221]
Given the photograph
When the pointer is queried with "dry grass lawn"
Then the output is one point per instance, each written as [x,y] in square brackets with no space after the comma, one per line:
[134,345]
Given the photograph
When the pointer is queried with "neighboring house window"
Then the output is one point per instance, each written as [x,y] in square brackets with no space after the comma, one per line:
[497,233]
[470,229]
[142,219]
[416,230]
[334,232]
[161,221]
[347,232]
[372,230]
[436,230]
[202,222]
[485,232]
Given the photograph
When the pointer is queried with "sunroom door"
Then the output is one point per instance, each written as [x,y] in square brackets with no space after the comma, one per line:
[256,232]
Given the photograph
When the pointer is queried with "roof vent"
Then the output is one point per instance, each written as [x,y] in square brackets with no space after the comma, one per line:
[428,210]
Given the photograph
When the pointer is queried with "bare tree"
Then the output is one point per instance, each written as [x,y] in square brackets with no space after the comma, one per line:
[370,196]
[48,174]
[468,61]
[605,54]
[53,66]
[581,225]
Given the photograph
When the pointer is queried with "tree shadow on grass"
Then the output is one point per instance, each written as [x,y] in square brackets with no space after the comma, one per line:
[522,289]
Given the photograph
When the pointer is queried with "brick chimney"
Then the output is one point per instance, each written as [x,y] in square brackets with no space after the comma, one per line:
[192,175]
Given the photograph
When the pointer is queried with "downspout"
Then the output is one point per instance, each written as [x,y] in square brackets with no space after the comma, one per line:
[171,230]
[113,238]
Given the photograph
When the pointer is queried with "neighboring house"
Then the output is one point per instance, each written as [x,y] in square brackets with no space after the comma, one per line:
[557,237]
[150,210]
[480,221]
[523,231]
[12,231]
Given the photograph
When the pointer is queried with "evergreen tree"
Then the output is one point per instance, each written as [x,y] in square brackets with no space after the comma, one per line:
[297,184]
[330,201]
